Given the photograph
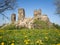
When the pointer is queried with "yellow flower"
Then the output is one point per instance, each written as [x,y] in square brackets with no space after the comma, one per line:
[59,34]
[2,43]
[58,44]
[12,43]
[26,43]
[25,40]
[46,38]
[39,41]
[25,36]
[28,39]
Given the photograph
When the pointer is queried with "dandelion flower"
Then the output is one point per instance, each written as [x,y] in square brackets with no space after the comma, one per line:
[12,43]
[2,43]
[46,38]
[26,43]
[58,44]
[39,42]
[25,36]
[25,40]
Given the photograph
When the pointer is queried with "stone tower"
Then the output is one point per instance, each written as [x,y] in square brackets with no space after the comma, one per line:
[21,14]
[13,18]
[37,13]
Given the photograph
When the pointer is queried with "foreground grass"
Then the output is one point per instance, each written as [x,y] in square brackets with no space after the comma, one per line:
[30,37]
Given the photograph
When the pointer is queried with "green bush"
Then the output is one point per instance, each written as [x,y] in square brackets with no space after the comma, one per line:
[56,26]
[41,24]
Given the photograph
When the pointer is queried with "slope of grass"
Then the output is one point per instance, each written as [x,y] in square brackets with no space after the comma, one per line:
[30,37]
[41,35]
[8,27]
[43,25]
[37,25]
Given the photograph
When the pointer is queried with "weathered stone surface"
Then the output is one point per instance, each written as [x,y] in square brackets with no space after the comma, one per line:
[44,18]
[29,22]
[37,13]
[21,14]
[13,18]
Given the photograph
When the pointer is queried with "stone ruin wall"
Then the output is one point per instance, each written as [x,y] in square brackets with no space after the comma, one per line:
[39,16]
[13,18]
[21,14]
[37,12]
[28,22]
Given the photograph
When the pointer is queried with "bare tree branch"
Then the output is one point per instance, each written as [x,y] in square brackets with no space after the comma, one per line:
[6,5]
[5,16]
[57,4]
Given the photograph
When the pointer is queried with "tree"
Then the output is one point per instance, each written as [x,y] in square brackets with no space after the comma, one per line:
[56,26]
[6,5]
[57,4]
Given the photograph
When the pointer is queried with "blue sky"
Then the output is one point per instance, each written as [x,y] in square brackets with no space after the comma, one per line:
[46,6]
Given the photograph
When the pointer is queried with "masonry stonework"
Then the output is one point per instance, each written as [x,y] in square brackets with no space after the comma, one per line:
[29,22]
[13,18]
[37,13]
[21,14]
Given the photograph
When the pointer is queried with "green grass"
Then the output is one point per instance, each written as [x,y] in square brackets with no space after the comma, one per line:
[41,35]
[41,24]
[30,37]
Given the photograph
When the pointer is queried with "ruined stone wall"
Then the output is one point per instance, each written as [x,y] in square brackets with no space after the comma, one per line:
[21,14]
[28,22]
[44,18]
[37,13]
[13,18]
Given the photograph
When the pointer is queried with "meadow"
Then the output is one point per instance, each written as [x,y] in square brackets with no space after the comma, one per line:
[42,34]
[30,37]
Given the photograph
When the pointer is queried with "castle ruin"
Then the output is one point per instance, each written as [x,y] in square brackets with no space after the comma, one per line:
[29,22]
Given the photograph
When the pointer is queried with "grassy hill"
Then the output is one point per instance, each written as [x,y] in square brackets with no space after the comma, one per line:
[30,37]
[41,35]
[37,25]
